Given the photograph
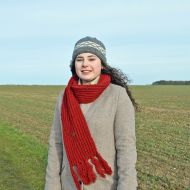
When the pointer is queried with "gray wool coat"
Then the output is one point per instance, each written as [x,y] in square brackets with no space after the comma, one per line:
[111,120]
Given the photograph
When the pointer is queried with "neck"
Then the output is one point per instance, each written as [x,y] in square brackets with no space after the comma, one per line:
[94,81]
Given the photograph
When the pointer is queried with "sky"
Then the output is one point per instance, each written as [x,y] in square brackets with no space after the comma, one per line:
[148,40]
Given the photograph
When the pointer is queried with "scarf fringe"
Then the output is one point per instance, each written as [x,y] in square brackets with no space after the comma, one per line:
[86,172]
[107,168]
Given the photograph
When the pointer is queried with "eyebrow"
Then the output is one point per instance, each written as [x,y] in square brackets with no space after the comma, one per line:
[87,56]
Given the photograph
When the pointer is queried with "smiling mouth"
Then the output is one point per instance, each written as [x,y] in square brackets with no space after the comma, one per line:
[85,71]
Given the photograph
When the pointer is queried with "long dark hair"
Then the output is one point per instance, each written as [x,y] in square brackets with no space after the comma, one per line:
[117,77]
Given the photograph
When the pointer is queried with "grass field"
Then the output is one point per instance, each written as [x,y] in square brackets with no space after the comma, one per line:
[162,130]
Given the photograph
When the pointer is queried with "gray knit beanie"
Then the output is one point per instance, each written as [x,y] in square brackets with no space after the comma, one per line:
[90,45]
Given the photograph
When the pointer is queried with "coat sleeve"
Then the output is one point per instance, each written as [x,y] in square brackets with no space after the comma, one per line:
[125,143]
[55,152]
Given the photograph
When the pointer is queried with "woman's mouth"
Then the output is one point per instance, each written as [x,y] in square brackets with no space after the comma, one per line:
[85,71]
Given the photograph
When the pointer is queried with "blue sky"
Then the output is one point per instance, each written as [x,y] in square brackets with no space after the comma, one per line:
[148,40]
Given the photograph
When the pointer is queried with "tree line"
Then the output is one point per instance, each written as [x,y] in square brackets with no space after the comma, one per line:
[171,82]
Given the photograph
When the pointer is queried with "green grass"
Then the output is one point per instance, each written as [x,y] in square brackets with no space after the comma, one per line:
[163,137]
[22,158]
[162,130]
[29,108]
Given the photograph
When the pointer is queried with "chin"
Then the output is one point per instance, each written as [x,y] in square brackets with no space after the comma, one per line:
[87,78]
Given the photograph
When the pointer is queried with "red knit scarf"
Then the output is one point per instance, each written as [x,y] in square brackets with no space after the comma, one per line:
[78,142]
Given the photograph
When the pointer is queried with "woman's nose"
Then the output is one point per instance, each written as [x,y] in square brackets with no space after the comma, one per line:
[85,63]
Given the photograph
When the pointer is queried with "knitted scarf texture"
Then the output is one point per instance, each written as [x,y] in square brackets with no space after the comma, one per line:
[79,144]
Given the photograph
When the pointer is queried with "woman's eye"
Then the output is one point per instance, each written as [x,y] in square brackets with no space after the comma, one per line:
[91,59]
[78,59]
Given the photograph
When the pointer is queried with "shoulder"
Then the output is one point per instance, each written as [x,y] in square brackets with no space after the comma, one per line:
[115,87]
[121,94]
[60,97]
[117,90]
[61,93]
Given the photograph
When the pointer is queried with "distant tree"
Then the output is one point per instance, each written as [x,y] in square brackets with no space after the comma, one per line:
[170,82]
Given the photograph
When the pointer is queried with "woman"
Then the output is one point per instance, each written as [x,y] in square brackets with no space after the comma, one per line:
[92,143]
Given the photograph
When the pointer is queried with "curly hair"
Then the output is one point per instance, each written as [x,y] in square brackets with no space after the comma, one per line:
[117,77]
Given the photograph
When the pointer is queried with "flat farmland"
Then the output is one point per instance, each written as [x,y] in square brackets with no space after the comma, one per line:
[162,132]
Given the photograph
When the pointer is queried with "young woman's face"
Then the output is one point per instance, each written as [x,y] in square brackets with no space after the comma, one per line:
[88,67]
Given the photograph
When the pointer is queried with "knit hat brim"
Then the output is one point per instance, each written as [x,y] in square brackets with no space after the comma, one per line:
[88,50]
[90,45]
